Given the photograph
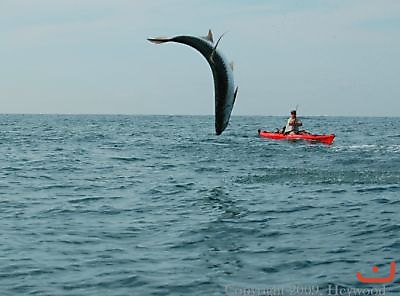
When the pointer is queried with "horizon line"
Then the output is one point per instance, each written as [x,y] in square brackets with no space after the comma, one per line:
[236,115]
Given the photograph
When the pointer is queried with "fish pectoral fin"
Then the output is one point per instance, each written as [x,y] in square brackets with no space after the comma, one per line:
[158,40]
[215,48]
[209,36]
[235,94]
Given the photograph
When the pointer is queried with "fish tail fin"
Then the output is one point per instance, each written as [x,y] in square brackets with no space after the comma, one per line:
[158,40]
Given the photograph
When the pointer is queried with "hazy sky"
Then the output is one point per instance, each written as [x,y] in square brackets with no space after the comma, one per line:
[330,57]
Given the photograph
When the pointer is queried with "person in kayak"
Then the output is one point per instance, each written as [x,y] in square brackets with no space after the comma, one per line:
[293,124]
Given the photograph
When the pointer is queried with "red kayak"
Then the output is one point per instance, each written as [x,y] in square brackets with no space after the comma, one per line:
[326,139]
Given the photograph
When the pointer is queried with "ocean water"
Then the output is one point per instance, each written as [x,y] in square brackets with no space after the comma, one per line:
[159,205]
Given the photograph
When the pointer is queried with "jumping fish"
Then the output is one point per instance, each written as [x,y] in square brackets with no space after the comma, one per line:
[224,85]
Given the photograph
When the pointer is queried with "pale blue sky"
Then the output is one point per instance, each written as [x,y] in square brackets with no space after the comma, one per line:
[331,57]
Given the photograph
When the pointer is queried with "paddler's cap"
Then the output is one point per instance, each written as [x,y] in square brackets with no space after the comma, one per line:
[293,112]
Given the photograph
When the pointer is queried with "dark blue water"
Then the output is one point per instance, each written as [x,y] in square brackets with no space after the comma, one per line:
[159,205]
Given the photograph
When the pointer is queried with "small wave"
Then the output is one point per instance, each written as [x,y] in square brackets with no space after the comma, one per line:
[290,210]
[395,245]
[392,228]
[46,177]
[186,244]
[85,200]
[302,264]
[184,185]
[293,265]
[26,177]
[107,282]
[155,191]
[168,166]
[80,241]
[325,177]
[211,169]
[364,232]
[55,186]
[217,193]
[274,233]
[12,169]
[338,251]
[127,159]
[131,281]
[382,200]
[379,189]
[69,169]
[363,147]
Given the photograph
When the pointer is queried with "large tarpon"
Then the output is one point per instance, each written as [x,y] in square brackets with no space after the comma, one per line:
[225,92]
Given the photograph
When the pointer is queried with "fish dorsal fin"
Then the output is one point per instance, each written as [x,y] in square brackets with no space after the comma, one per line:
[232,64]
[209,37]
